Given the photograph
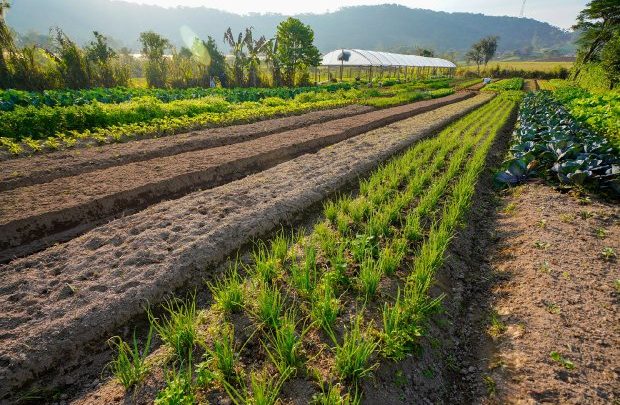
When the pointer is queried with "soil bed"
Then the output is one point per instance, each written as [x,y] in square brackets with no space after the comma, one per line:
[37,216]
[44,168]
[58,300]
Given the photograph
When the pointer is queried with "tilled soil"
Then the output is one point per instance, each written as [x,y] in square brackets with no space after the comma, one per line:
[556,293]
[58,300]
[43,168]
[36,216]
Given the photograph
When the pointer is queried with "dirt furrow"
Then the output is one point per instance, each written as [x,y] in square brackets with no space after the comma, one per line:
[58,300]
[34,217]
[28,171]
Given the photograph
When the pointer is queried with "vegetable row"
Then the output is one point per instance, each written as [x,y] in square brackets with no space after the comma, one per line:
[549,142]
[317,305]
[31,130]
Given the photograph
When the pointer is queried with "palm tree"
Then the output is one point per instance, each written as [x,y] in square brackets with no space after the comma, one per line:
[237,49]
[271,58]
[255,49]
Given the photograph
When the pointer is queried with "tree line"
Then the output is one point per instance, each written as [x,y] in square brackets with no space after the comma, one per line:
[287,57]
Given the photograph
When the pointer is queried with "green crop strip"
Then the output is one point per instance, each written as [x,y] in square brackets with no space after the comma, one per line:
[34,129]
[505,85]
[314,299]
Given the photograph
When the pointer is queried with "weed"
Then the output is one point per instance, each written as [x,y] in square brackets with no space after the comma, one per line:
[542,223]
[352,358]
[491,385]
[510,208]
[545,267]
[496,326]
[608,254]
[130,365]
[567,218]
[333,396]
[364,245]
[265,265]
[177,328]
[228,291]
[566,275]
[553,308]
[330,208]
[601,233]
[542,245]
[564,362]
[586,214]
[178,390]
[617,285]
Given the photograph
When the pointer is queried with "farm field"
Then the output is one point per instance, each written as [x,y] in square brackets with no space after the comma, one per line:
[279,223]
[358,286]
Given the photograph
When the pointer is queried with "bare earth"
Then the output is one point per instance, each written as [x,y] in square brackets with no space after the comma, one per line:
[56,301]
[558,294]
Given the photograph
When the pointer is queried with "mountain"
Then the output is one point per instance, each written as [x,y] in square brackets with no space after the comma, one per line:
[379,27]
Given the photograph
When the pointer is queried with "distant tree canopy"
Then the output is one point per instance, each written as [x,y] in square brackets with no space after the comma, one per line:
[599,39]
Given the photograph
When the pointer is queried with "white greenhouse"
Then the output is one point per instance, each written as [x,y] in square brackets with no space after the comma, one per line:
[359,62]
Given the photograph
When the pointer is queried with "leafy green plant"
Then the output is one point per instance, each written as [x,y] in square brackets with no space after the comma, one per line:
[608,254]
[564,362]
[178,391]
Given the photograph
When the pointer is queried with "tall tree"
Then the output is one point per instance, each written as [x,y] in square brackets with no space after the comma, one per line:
[598,23]
[100,54]
[154,47]
[237,48]
[217,63]
[489,48]
[74,67]
[271,57]
[255,48]
[296,50]
[476,55]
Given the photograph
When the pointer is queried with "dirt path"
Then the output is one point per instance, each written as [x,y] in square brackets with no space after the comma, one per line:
[530,85]
[56,301]
[558,294]
[47,167]
[37,216]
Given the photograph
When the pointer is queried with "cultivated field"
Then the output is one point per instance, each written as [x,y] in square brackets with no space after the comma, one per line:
[333,245]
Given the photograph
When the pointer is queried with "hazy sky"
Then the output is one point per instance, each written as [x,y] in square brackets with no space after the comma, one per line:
[557,12]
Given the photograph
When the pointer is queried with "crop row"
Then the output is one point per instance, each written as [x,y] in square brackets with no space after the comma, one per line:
[320,305]
[10,99]
[33,130]
[549,142]
[515,83]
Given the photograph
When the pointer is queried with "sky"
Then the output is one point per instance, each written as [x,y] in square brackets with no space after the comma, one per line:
[561,13]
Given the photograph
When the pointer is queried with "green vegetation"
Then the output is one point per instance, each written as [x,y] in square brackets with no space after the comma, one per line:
[550,143]
[33,129]
[399,227]
[130,366]
[505,85]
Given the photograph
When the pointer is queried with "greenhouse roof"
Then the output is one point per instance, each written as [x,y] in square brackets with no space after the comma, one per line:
[360,57]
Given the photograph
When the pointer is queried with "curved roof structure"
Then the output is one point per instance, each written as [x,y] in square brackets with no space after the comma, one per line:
[360,57]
